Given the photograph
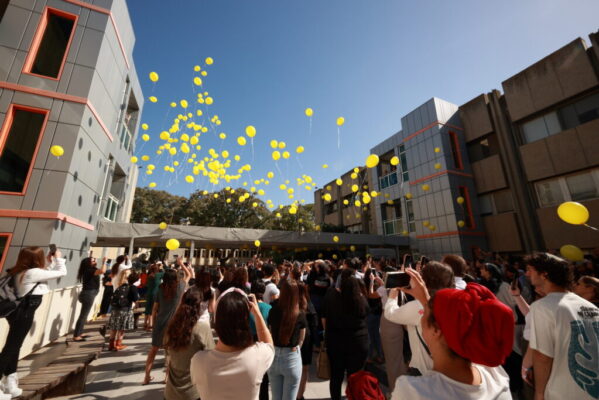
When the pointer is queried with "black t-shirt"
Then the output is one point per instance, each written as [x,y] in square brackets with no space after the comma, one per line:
[90,280]
[318,284]
[342,323]
[275,317]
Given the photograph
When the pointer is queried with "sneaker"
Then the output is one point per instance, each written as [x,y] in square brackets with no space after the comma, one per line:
[12,385]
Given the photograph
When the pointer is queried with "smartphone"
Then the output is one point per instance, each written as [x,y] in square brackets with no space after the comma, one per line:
[515,282]
[52,249]
[397,279]
[109,261]
[423,261]
[407,261]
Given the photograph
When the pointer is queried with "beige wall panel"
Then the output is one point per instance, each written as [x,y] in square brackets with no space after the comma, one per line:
[536,160]
[502,232]
[488,174]
[588,135]
[475,118]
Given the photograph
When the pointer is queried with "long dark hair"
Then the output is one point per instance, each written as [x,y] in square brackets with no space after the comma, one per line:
[289,302]
[203,283]
[240,278]
[178,332]
[170,280]
[494,281]
[115,268]
[232,321]
[353,293]
[85,264]
[29,257]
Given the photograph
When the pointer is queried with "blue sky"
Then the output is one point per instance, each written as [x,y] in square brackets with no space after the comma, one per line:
[369,61]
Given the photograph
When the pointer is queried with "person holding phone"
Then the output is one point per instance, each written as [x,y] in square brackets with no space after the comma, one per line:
[32,272]
[89,276]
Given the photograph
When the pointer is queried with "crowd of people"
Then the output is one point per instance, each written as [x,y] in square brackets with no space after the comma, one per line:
[492,328]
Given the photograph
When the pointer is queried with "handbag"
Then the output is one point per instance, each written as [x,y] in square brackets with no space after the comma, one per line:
[323,365]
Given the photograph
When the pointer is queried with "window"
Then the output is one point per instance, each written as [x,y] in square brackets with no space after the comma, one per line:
[483,148]
[549,192]
[112,207]
[541,127]
[410,216]
[19,141]
[349,200]
[467,207]
[403,163]
[455,150]
[581,186]
[486,205]
[50,44]
[4,242]
[503,201]
[3,6]
[330,208]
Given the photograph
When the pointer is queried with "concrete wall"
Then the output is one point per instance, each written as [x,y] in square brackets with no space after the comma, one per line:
[65,196]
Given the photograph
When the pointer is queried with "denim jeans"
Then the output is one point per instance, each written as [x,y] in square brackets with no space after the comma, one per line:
[285,373]
[86,298]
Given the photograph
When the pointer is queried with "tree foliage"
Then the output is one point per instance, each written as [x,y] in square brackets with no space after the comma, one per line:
[156,206]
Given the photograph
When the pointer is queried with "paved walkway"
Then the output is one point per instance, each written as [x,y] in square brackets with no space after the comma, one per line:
[118,375]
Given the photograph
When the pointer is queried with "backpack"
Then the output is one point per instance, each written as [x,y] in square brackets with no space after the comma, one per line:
[120,297]
[363,385]
[9,301]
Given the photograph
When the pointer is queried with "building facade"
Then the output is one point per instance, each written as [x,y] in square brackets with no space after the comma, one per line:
[66,79]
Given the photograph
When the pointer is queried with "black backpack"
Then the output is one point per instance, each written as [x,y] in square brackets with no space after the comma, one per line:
[120,297]
[9,301]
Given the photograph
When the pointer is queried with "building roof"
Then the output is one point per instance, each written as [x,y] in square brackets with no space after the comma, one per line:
[118,234]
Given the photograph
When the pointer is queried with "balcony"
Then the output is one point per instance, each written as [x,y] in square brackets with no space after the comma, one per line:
[388,180]
[392,227]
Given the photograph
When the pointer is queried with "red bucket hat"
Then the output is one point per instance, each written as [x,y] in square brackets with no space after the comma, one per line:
[475,324]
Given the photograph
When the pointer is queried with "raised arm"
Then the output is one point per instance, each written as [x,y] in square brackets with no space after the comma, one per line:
[261,328]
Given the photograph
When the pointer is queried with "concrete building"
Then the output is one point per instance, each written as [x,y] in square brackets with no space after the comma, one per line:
[536,146]
[66,78]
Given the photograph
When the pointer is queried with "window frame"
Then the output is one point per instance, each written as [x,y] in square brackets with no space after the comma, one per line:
[37,40]
[468,214]
[564,188]
[8,235]
[456,153]
[5,130]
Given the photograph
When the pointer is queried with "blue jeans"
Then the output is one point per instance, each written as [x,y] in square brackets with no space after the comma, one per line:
[285,373]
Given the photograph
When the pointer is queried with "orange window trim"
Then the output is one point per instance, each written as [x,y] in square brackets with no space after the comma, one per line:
[456,143]
[52,215]
[426,178]
[468,206]
[450,233]
[5,130]
[6,247]
[37,39]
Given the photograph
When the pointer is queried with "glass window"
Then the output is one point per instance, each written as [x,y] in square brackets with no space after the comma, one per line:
[581,186]
[52,48]
[486,204]
[455,150]
[588,108]
[3,6]
[503,201]
[549,192]
[534,130]
[19,148]
[552,123]
[483,148]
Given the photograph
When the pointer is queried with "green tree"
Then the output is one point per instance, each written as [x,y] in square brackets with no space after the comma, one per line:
[155,206]
[302,220]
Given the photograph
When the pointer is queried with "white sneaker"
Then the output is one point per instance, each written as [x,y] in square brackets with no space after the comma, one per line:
[12,385]
[3,395]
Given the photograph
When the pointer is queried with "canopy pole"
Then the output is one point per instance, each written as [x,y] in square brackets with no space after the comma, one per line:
[131,246]
[191,259]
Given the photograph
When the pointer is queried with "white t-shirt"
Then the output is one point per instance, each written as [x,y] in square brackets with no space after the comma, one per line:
[27,280]
[565,327]
[460,283]
[410,315]
[433,385]
[231,376]
[270,291]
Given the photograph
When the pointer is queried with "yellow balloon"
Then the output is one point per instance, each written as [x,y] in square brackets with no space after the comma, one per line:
[274,144]
[222,135]
[173,104]
[189,179]
[172,244]
[292,210]
[184,103]
[573,213]
[346,202]
[339,181]
[325,166]
[153,76]
[209,60]
[372,161]
[571,252]
[286,154]
[197,68]
[163,225]
[197,81]
[241,141]
[133,159]
[354,175]
[437,149]
[461,224]
[460,200]
[335,238]
[276,155]
[426,223]
[144,127]
[327,197]
[145,158]
[309,112]
[408,196]
[209,100]
[352,247]
[57,150]
[394,160]
[145,137]
[257,243]
[250,131]
[282,145]
[340,121]
[438,166]
[299,149]
[164,135]
[204,73]
[152,184]
[153,99]
[270,174]
[355,188]
[426,187]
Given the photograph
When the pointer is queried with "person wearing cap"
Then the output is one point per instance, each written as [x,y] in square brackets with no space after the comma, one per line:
[469,334]
[564,334]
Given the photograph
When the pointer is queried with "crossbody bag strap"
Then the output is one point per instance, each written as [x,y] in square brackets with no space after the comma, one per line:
[422,342]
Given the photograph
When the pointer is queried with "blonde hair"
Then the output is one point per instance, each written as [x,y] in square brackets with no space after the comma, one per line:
[122,277]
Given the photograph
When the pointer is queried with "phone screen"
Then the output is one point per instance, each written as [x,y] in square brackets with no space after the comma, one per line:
[52,249]
[408,261]
[397,279]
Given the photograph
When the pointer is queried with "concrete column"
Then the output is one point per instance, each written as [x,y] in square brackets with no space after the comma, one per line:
[131,242]
[191,259]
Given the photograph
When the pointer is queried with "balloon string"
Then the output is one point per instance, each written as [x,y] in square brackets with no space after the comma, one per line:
[252,140]
[310,129]
[338,138]
[591,227]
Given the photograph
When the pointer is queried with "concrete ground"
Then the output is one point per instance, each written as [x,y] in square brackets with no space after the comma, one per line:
[118,375]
